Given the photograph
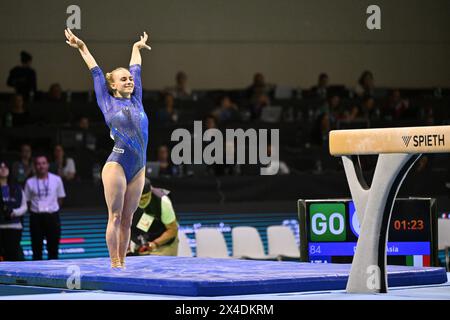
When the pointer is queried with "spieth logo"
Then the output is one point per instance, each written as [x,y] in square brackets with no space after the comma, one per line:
[406,140]
[430,140]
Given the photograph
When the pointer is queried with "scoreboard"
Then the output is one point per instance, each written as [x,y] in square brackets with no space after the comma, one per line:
[329,231]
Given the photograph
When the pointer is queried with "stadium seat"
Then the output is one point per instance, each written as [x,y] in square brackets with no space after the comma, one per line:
[282,243]
[184,249]
[444,239]
[211,243]
[247,244]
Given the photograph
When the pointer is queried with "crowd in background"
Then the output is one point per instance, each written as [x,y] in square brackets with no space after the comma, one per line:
[334,105]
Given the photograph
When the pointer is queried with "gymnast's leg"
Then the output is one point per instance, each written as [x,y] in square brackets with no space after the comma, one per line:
[131,202]
[115,185]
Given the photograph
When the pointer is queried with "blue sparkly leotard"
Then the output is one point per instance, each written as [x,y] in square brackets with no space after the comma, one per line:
[127,121]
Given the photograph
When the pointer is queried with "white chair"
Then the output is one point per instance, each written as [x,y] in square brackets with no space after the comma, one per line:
[444,239]
[184,249]
[282,243]
[247,244]
[211,243]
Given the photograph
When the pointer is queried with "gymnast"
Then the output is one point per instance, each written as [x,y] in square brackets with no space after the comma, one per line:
[119,97]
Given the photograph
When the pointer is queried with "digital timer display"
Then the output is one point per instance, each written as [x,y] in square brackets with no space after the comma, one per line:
[329,231]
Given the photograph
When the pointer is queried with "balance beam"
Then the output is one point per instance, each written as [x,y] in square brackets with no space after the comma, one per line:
[434,139]
[397,149]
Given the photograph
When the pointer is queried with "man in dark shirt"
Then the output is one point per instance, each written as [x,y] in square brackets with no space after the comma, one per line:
[23,78]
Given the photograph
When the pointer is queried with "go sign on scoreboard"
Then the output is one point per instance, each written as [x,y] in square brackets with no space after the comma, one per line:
[329,231]
[328,222]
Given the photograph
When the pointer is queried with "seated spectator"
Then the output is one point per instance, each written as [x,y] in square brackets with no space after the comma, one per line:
[320,90]
[23,169]
[23,78]
[62,166]
[168,115]
[17,116]
[259,102]
[259,87]
[210,122]
[320,130]
[55,93]
[166,167]
[83,123]
[333,108]
[89,139]
[365,85]
[181,89]
[227,110]
[396,107]
[366,111]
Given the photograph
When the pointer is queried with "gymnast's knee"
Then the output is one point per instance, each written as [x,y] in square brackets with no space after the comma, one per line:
[115,218]
[125,222]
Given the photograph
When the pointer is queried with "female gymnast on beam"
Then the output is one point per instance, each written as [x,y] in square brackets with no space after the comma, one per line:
[123,174]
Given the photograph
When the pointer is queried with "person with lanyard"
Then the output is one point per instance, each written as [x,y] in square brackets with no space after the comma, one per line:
[155,228]
[12,207]
[45,193]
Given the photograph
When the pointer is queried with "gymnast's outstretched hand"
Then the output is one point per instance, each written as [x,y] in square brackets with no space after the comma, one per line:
[73,40]
[142,43]
[77,43]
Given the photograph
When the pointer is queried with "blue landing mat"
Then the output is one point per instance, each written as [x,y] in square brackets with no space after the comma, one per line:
[201,276]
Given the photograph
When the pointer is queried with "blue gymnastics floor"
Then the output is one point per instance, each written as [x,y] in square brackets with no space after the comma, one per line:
[181,276]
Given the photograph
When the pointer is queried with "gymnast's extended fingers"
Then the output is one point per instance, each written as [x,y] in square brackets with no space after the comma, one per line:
[67,34]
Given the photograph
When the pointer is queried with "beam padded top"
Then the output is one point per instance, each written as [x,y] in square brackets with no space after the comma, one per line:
[433,139]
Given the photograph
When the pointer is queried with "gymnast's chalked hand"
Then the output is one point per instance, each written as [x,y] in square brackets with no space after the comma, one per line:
[73,40]
[142,43]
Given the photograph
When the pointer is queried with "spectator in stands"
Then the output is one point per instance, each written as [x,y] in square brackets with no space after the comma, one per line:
[366,111]
[161,236]
[320,130]
[181,89]
[62,165]
[365,85]
[396,107]
[320,90]
[258,104]
[168,115]
[166,167]
[218,169]
[259,86]
[210,122]
[44,193]
[23,78]
[23,168]
[89,139]
[55,93]
[83,123]
[276,167]
[13,206]
[17,116]
[227,110]
[333,108]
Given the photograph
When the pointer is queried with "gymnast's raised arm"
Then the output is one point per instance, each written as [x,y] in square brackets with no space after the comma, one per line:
[100,85]
[77,43]
[137,46]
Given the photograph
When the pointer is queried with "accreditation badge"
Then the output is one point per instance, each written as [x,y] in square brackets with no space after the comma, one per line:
[43,206]
[145,222]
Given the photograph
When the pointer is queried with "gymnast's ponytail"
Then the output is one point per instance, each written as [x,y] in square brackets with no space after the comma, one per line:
[109,79]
